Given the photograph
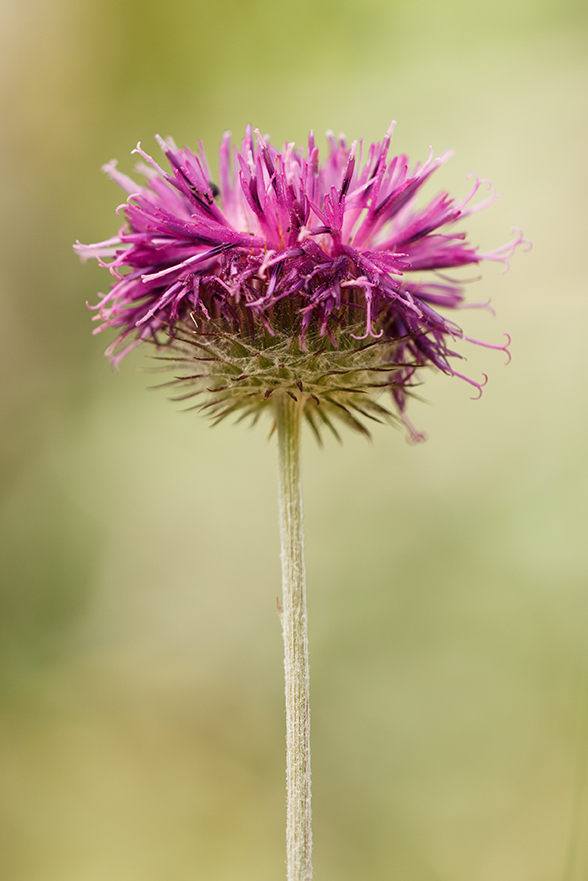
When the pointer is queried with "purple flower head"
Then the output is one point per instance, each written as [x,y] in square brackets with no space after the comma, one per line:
[320,280]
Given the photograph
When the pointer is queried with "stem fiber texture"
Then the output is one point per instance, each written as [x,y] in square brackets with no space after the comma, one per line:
[294,621]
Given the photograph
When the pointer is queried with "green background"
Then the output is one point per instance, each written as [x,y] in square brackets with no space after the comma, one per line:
[141,693]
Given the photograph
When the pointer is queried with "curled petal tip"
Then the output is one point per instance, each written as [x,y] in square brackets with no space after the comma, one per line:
[527,244]
[414,436]
[480,387]
[503,348]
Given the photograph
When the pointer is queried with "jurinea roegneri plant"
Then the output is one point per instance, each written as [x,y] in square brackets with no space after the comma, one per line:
[305,289]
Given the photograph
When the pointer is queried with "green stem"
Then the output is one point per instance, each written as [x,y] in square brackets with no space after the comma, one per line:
[294,622]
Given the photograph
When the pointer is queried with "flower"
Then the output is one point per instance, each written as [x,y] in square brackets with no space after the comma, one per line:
[319,280]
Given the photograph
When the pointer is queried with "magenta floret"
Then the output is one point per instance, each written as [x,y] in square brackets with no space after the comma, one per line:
[344,242]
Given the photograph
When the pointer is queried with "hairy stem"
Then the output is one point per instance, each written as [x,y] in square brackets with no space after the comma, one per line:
[288,414]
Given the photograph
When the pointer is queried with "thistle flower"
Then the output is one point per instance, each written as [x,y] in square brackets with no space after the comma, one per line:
[320,280]
[304,289]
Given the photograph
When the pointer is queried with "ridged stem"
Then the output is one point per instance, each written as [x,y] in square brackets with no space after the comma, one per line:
[288,413]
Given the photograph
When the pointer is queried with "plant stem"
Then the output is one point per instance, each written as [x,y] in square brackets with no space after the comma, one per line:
[288,414]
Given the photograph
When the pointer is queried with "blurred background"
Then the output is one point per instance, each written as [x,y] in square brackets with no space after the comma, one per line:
[141,687]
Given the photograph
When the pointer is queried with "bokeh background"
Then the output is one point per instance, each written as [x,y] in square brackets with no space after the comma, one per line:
[141,686]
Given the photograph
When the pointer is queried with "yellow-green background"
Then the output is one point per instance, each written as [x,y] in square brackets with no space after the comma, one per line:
[142,721]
